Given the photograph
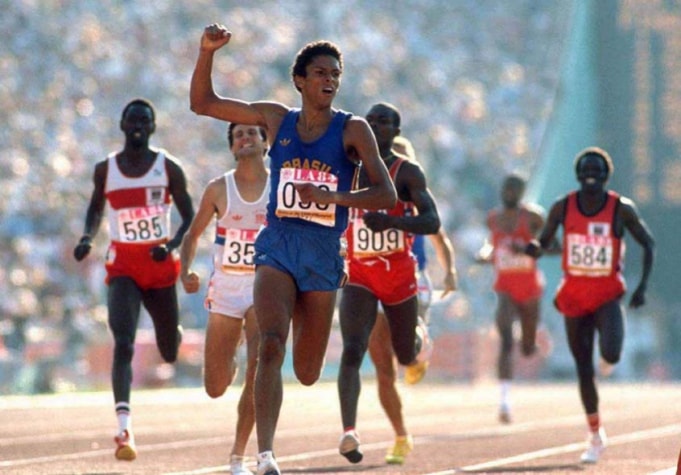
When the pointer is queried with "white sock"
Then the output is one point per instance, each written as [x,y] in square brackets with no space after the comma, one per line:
[505,394]
[123,416]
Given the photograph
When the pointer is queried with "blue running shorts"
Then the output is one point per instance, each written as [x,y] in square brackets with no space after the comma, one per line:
[311,255]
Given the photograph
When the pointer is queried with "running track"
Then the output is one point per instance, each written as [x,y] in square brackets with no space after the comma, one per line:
[182,431]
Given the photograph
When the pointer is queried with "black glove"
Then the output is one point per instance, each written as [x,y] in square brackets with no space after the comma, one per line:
[160,253]
[83,248]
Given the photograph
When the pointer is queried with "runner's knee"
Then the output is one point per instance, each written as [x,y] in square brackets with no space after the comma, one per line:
[215,387]
[307,373]
[611,349]
[272,349]
[353,354]
[406,357]
[123,351]
[169,351]
[612,357]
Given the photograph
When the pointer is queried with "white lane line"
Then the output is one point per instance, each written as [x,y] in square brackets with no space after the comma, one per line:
[109,451]
[667,471]
[655,433]
[55,458]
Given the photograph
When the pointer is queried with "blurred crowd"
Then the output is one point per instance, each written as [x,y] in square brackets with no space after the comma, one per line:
[475,81]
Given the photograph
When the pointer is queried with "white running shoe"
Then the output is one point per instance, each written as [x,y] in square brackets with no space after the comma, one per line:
[266,464]
[426,343]
[349,446]
[595,446]
[237,465]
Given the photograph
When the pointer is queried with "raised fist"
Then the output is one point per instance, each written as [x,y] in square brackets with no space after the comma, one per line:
[215,36]
[83,248]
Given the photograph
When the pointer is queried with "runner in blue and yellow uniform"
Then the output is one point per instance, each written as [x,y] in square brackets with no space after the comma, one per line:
[315,153]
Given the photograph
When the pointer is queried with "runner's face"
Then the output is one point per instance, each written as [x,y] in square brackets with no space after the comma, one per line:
[138,125]
[382,123]
[323,79]
[592,173]
[511,193]
[247,142]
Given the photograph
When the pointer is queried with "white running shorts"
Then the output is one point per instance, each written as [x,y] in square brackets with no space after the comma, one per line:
[230,294]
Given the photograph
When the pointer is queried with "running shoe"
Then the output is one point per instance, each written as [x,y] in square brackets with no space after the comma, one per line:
[595,445]
[349,447]
[125,446]
[424,343]
[237,465]
[403,445]
[267,465]
[415,372]
[505,415]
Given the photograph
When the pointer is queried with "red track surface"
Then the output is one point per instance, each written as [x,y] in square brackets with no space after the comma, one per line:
[455,428]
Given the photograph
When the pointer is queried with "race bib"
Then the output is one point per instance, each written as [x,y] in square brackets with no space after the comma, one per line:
[237,257]
[367,243]
[288,201]
[507,260]
[589,255]
[145,224]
